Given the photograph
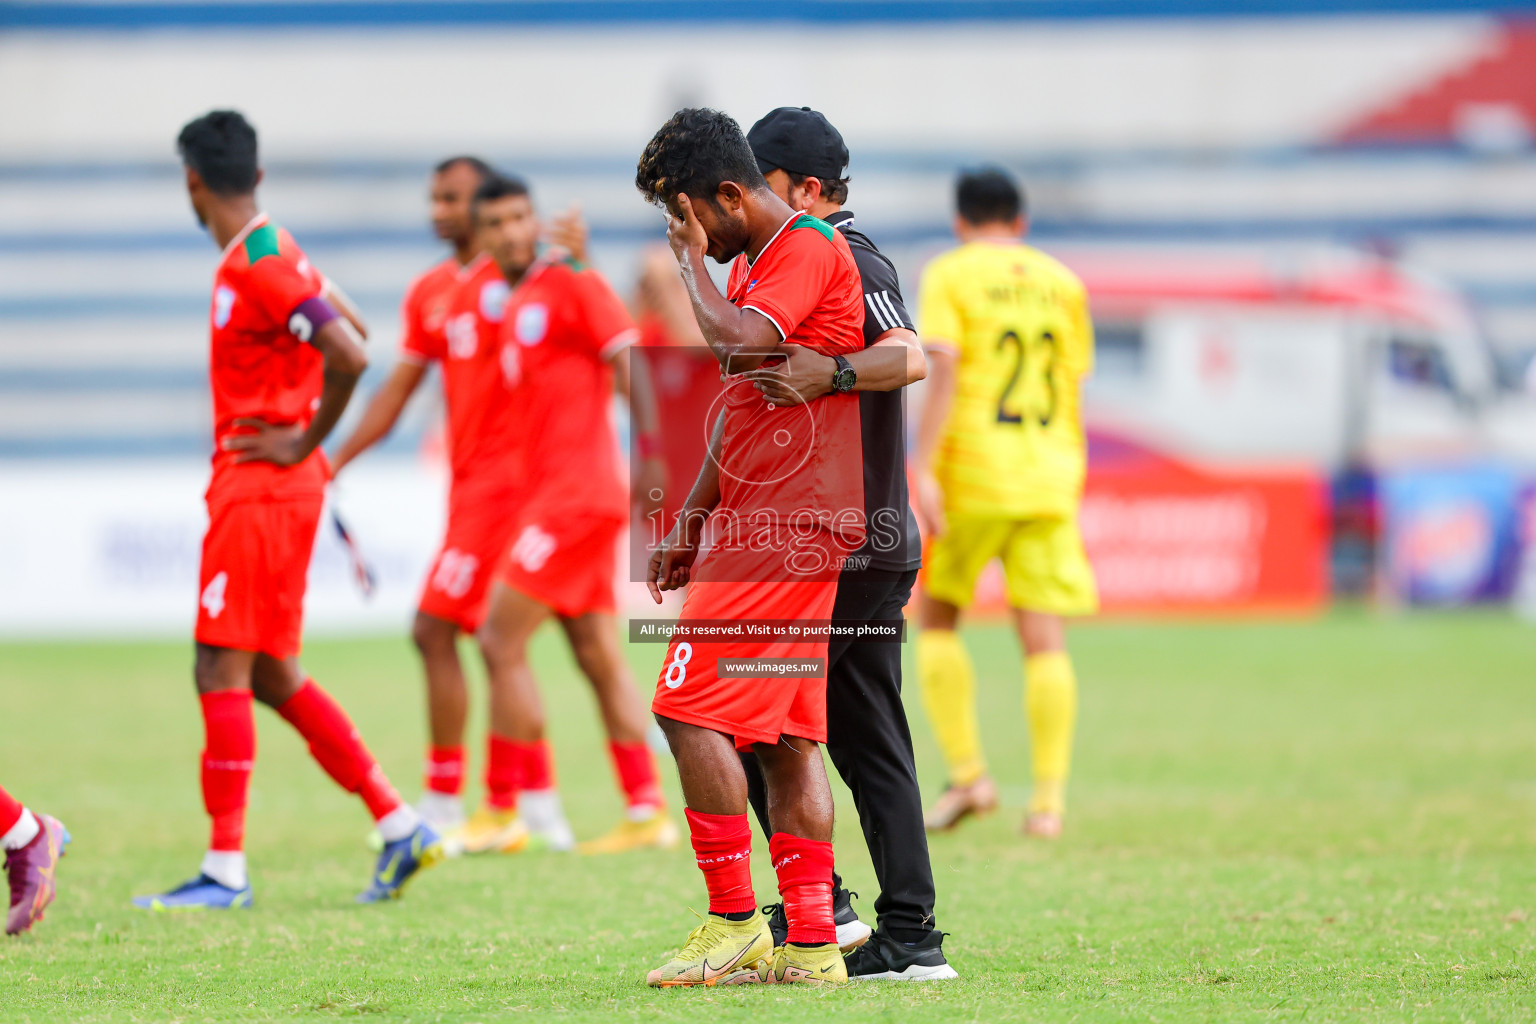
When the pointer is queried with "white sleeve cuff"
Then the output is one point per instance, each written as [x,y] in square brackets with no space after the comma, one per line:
[783,334]
[619,342]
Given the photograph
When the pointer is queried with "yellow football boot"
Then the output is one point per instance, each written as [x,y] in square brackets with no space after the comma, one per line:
[656,832]
[491,831]
[796,965]
[715,949]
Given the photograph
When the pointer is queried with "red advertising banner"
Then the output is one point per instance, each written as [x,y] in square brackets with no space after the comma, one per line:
[1166,537]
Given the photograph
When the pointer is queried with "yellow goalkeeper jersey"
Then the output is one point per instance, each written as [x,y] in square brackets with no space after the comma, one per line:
[1017,321]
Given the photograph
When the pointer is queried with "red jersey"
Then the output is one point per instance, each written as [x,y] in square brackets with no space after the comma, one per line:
[563,323]
[455,319]
[260,362]
[805,459]
[425,308]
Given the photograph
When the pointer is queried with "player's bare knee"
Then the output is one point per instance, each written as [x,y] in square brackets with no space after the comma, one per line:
[605,673]
[496,645]
[220,668]
[1040,632]
[936,614]
[433,636]
[275,680]
[671,728]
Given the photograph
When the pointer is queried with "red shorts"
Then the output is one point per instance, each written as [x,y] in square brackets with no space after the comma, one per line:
[566,562]
[756,710]
[255,566]
[459,583]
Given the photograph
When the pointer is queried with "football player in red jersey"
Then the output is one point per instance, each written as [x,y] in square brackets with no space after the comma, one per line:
[451,316]
[286,352]
[564,347]
[448,608]
[33,843]
[795,478]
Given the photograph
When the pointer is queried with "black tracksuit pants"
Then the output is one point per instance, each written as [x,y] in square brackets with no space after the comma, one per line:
[871,747]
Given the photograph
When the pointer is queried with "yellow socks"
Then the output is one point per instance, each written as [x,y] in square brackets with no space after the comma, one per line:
[1050,704]
[949,695]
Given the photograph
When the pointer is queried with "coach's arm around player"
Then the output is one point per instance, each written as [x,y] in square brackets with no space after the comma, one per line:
[287,444]
[806,375]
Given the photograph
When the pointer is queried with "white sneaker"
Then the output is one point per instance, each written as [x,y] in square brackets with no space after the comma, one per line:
[446,816]
[545,818]
[443,812]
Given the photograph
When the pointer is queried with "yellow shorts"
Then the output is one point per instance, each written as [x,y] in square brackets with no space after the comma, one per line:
[1043,560]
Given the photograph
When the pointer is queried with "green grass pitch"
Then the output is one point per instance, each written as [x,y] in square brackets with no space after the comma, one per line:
[1319,821]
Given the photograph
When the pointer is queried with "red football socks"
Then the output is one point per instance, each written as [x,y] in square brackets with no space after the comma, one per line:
[10,811]
[512,766]
[723,845]
[503,773]
[536,768]
[804,867]
[335,744]
[635,767]
[445,770]
[229,752]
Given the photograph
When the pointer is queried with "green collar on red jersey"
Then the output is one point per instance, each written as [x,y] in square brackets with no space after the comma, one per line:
[261,242]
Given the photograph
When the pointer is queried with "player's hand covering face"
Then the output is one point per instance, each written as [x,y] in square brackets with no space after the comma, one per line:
[685,232]
[718,229]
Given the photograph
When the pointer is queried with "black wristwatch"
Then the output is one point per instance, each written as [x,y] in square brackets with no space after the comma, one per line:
[844,377]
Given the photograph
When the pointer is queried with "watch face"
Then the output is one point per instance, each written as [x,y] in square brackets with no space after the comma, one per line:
[844,379]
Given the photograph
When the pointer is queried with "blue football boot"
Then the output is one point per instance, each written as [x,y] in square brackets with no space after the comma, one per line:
[202,893]
[401,861]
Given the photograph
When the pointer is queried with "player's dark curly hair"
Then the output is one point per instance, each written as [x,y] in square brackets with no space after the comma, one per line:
[692,154]
[221,147]
[988,195]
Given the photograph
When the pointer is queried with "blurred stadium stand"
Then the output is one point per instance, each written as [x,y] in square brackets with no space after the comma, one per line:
[1402,127]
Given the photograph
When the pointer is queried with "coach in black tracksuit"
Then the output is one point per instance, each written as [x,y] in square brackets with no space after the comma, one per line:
[804,158]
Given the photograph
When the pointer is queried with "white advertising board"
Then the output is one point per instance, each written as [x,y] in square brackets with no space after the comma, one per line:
[112,548]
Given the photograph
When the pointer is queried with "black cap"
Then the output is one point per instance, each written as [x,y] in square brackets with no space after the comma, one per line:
[799,140]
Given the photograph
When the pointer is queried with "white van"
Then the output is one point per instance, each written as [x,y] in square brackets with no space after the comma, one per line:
[1326,358]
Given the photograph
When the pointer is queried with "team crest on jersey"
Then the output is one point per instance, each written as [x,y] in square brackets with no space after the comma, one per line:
[532,323]
[223,305]
[752,284]
[493,300]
